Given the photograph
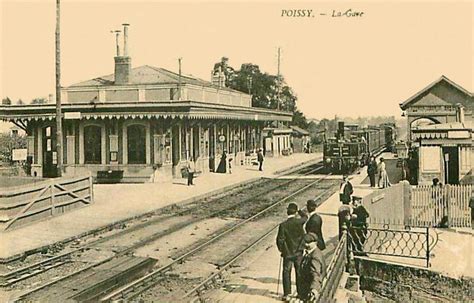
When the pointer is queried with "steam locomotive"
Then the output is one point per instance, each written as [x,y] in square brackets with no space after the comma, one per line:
[351,147]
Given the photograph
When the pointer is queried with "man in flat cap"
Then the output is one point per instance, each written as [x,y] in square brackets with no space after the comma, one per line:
[315,223]
[312,270]
[289,238]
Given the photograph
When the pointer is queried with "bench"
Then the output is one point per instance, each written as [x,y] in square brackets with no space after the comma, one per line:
[109,176]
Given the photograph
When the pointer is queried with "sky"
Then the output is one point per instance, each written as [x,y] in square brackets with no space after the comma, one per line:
[345,66]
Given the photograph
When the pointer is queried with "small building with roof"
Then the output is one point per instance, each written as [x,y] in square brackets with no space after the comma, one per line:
[143,122]
[300,140]
[440,132]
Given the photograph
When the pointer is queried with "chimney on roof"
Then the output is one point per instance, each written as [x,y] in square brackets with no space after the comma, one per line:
[460,113]
[218,77]
[123,64]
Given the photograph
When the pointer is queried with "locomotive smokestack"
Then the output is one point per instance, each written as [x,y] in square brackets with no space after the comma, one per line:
[340,130]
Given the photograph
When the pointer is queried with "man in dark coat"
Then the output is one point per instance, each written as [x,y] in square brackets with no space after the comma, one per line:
[344,214]
[312,270]
[359,222]
[289,238]
[372,170]
[315,223]
[345,191]
[260,159]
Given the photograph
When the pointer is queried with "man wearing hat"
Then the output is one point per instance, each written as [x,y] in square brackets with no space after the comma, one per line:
[315,223]
[290,235]
[345,191]
[312,270]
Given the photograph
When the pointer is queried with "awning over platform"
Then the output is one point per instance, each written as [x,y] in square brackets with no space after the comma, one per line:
[141,110]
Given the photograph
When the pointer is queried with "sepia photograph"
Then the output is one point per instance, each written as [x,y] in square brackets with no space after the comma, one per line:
[236,151]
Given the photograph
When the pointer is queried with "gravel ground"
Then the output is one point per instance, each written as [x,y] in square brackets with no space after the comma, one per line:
[205,262]
[252,196]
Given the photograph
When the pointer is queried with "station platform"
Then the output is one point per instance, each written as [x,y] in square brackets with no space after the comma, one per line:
[117,202]
[259,279]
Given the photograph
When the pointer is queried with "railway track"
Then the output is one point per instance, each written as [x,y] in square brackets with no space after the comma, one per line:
[137,287]
[124,235]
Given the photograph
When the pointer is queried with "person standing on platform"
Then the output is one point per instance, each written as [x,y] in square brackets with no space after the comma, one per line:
[315,224]
[260,160]
[345,191]
[372,170]
[191,170]
[344,214]
[359,222]
[290,235]
[384,182]
[222,168]
[312,271]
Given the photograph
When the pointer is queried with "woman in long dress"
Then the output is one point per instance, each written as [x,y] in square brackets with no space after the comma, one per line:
[222,168]
[384,182]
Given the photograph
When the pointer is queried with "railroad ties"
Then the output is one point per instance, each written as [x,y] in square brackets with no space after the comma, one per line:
[254,209]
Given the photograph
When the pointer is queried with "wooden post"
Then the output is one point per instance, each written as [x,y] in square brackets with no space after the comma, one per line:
[448,202]
[51,188]
[91,190]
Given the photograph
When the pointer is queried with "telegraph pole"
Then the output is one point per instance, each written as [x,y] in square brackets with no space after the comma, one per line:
[59,130]
[179,79]
[279,82]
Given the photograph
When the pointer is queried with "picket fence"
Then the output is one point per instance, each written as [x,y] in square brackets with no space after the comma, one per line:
[441,206]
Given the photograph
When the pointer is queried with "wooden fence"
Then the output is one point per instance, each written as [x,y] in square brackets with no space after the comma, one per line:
[24,204]
[446,205]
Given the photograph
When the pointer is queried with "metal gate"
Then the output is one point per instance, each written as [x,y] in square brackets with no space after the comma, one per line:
[415,244]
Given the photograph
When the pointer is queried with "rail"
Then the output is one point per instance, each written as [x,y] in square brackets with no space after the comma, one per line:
[137,287]
[36,268]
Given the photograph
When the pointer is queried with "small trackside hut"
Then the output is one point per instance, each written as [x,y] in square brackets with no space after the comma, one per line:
[142,124]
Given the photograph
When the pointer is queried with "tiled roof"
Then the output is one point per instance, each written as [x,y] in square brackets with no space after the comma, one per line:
[148,75]
[299,130]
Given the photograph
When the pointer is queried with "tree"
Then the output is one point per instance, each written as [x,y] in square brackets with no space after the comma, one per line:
[7,144]
[263,87]
[39,101]
[6,101]
[227,70]
[20,102]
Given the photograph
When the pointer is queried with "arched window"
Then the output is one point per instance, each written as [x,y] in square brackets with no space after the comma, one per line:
[136,144]
[92,144]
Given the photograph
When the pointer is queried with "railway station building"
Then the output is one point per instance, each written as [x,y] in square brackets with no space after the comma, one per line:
[440,129]
[143,123]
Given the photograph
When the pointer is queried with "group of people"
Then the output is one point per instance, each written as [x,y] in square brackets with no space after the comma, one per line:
[373,168]
[352,214]
[225,164]
[300,242]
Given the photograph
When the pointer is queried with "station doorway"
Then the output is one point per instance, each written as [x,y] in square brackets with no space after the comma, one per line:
[451,165]
[49,152]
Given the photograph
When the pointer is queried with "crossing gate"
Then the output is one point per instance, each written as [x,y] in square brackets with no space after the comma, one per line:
[32,202]
[445,206]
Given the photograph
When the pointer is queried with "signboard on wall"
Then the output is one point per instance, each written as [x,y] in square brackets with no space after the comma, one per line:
[458,134]
[72,115]
[19,154]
